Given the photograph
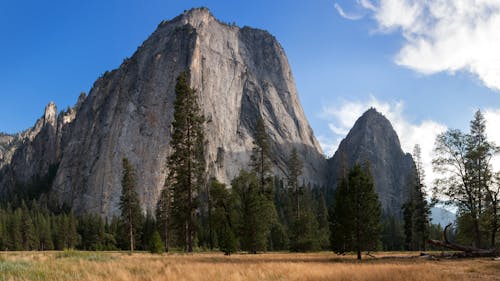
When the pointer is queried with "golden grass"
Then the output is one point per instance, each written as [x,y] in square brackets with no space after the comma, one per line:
[214,266]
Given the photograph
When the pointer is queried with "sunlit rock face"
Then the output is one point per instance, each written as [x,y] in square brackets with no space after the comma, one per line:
[240,74]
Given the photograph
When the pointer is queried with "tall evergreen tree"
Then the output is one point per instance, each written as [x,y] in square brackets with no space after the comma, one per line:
[255,212]
[340,215]
[15,231]
[131,214]
[260,158]
[222,219]
[357,213]
[479,153]
[186,163]
[294,171]
[30,237]
[305,234]
[323,225]
[416,210]
[163,216]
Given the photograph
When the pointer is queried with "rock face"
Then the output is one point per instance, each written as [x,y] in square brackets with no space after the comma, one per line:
[35,153]
[240,74]
[373,140]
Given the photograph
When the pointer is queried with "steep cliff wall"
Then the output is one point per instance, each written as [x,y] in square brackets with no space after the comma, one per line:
[372,140]
[239,74]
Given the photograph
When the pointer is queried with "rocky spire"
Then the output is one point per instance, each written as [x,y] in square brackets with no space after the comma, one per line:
[373,140]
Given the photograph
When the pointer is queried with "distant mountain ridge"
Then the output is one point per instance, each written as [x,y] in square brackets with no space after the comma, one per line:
[442,216]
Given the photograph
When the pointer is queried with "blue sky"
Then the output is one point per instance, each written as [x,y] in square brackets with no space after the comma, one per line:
[397,55]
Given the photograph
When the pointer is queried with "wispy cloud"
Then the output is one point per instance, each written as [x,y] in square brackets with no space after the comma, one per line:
[345,15]
[444,36]
[342,118]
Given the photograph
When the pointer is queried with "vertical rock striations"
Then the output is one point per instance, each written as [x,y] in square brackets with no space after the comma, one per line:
[372,140]
[239,74]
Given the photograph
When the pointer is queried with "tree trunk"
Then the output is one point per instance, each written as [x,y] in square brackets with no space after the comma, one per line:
[131,234]
[477,233]
[468,251]
[494,228]
[166,235]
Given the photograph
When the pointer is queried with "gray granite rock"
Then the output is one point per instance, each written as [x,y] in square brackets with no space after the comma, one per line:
[372,140]
[239,74]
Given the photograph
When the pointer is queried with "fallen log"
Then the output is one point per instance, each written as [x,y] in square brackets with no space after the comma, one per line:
[467,250]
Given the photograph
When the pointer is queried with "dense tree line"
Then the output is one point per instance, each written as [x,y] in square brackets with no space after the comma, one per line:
[258,212]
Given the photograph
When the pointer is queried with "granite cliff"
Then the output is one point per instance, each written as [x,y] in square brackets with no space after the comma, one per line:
[372,140]
[240,74]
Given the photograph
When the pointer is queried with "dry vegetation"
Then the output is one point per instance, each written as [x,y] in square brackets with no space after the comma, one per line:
[319,266]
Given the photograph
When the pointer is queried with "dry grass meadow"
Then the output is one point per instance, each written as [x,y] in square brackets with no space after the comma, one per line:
[72,265]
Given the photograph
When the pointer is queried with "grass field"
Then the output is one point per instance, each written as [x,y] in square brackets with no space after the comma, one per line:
[72,265]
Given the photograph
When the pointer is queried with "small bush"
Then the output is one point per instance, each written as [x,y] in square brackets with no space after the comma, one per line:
[156,245]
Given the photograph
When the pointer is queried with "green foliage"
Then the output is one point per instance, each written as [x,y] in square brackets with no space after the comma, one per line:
[467,180]
[323,235]
[393,236]
[186,163]
[163,216]
[155,244]
[95,234]
[131,214]
[223,217]
[255,212]
[416,210]
[260,158]
[356,214]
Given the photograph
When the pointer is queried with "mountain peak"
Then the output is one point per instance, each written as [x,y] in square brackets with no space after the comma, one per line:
[195,17]
[50,114]
[240,75]
[374,115]
[373,139]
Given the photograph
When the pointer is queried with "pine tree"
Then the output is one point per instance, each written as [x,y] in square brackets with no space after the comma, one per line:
[479,153]
[323,225]
[29,236]
[186,163]
[393,237]
[163,216]
[256,212]
[408,209]
[148,229]
[416,210]
[357,213]
[72,236]
[44,233]
[223,217]
[340,214]
[294,171]
[131,214]
[15,231]
[155,243]
[260,158]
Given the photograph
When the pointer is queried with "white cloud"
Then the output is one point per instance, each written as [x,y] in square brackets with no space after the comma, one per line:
[345,15]
[444,35]
[492,117]
[342,118]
